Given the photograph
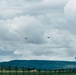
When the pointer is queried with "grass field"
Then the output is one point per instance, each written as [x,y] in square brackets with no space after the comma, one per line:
[33,73]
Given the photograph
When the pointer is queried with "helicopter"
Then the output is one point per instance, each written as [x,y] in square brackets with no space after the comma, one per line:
[26,38]
[48,37]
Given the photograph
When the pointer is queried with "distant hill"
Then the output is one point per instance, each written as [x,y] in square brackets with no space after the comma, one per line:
[39,64]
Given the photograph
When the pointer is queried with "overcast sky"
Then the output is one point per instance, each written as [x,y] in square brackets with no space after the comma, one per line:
[26,24]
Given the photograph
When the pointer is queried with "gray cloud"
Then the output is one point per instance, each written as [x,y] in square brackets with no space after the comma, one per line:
[10,9]
[37,20]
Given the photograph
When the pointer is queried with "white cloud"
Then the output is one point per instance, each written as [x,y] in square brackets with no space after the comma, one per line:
[70,9]
[70,12]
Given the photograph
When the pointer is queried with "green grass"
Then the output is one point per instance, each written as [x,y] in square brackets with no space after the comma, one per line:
[34,73]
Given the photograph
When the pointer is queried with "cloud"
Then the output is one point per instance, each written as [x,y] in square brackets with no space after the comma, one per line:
[10,8]
[70,10]
[54,4]
[26,25]
[23,27]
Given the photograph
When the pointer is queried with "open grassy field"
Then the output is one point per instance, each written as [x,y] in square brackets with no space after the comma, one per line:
[33,73]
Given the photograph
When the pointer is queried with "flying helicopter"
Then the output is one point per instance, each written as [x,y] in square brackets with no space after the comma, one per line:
[26,38]
[48,37]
